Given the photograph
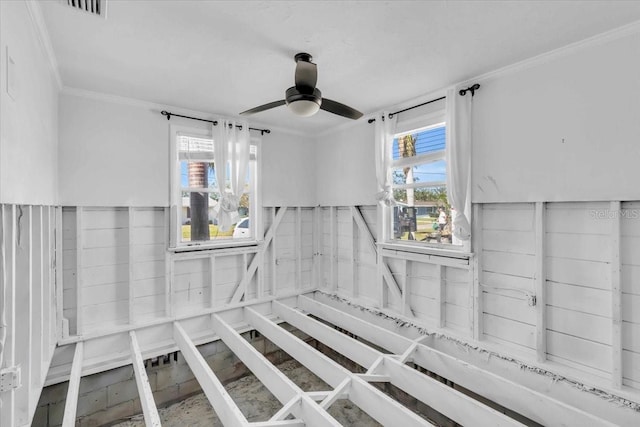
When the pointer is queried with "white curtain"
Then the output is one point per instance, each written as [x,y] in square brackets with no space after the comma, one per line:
[384,132]
[458,158]
[230,150]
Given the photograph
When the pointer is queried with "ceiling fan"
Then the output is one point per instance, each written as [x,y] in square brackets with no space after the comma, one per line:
[304,99]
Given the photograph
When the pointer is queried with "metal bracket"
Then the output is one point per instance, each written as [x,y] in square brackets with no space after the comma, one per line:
[10,378]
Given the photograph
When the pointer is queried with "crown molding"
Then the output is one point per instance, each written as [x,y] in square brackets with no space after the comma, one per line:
[154,106]
[567,50]
[45,40]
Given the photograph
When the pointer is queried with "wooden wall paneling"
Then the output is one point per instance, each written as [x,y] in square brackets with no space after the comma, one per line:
[298,248]
[333,227]
[79,275]
[250,270]
[212,280]
[476,240]
[616,297]
[61,266]
[540,283]
[8,356]
[131,263]
[354,257]
[37,303]
[316,275]
[23,310]
[274,260]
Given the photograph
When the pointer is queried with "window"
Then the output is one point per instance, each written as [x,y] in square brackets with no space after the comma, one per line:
[418,171]
[196,192]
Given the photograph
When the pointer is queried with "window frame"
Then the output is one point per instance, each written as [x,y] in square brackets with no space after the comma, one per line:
[409,127]
[175,195]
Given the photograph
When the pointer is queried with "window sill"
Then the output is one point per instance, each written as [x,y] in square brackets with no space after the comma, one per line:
[217,246]
[422,249]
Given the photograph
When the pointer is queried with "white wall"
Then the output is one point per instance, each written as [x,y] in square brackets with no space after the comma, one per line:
[345,166]
[29,119]
[115,152]
[288,170]
[563,130]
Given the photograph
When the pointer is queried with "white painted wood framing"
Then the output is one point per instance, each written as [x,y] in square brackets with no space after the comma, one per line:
[311,408]
[533,289]
[27,307]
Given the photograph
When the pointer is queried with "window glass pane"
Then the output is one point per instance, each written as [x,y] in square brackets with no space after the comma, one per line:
[433,172]
[190,147]
[423,214]
[197,175]
[423,142]
[198,220]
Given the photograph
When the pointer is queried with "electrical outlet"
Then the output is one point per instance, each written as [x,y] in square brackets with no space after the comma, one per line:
[531,300]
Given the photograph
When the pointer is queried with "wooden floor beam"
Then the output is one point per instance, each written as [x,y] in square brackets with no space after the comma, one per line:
[525,401]
[378,405]
[71,404]
[226,409]
[149,409]
[444,399]
[278,384]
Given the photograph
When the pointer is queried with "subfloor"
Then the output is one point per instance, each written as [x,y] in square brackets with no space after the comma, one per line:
[255,401]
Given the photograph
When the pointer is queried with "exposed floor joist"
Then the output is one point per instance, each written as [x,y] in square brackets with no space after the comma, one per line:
[446,400]
[278,384]
[149,409]
[226,409]
[378,405]
[71,404]
[525,401]
[310,408]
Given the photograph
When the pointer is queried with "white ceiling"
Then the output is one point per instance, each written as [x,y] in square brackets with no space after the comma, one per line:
[225,57]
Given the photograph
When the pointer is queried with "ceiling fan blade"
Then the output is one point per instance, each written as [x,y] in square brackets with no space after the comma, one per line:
[306,74]
[340,109]
[263,107]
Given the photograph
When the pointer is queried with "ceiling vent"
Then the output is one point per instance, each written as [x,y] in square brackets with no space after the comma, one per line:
[94,7]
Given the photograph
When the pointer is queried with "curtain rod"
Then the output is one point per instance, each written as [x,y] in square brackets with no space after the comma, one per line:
[214,122]
[462,92]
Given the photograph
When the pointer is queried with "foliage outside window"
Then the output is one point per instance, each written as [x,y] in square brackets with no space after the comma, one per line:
[418,171]
[197,192]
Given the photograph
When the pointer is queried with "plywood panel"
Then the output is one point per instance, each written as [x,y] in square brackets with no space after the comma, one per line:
[630,250]
[518,218]
[148,270]
[578,218]
[107,218]
[509,307]
[577,298]
[523,265]
[457,294]
[522,242]
[631,279]
[579,325]
[631,365]
[105,256]
[631,308]
[631,337]
[588,353]
[509,330]
[101,275]
[496,281]
[109,292]
[578,272]
[143,253]
[590,247]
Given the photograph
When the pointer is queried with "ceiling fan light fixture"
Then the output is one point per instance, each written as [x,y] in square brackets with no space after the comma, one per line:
[304,104]
[304,107]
